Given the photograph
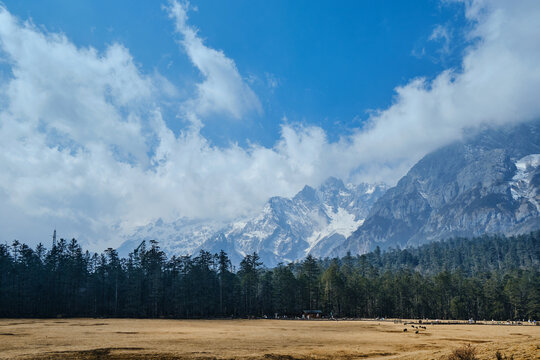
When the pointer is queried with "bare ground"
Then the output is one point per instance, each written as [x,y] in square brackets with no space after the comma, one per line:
[255,339]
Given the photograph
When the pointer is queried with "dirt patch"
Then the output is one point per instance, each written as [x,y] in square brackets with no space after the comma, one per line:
[92,354]
[375,354]
[279,357]
[475,341]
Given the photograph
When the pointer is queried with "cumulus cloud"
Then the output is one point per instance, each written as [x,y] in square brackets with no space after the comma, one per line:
[85,148]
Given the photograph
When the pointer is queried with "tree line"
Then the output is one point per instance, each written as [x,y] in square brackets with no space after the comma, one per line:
[492,277]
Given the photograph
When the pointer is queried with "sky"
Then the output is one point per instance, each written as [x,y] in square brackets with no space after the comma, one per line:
[115,114]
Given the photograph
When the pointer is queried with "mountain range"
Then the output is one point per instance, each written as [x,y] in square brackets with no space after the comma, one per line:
[487,183]
[314,221]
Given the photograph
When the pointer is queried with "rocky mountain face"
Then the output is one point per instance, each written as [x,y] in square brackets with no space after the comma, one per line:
[488,183]
[315,221]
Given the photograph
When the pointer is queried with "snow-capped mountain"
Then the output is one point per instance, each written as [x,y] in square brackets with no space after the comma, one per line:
[314,221]
[180,237]
[488,183]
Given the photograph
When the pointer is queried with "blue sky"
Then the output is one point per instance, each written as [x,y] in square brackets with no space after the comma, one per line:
[114,114]
[314,62]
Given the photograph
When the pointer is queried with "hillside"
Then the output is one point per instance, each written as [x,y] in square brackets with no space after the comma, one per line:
[487,184]
[470,256]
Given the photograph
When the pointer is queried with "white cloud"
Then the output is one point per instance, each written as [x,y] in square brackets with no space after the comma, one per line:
[441,33]
[84,146]
[223,90]
[497,84]
[71,129]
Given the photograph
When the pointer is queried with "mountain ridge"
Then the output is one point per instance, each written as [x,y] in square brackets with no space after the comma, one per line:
[486,184]
[314,221]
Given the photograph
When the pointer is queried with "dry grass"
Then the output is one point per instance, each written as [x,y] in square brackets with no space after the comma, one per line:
[255,339]
[468,352]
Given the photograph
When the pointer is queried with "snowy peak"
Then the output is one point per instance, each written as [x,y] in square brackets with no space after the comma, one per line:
[307,195]
[314,221]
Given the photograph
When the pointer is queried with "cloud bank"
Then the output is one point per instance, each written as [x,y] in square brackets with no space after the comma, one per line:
[85,147]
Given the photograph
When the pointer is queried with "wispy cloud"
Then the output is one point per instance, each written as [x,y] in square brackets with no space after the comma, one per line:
[442,34]
[223,90]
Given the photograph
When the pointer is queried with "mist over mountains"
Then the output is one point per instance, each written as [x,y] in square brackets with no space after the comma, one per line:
[485,184]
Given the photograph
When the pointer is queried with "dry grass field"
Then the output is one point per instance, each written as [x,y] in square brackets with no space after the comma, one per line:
[255,339]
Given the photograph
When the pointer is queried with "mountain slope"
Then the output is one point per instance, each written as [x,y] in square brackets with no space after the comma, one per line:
[314,221]
[486,184]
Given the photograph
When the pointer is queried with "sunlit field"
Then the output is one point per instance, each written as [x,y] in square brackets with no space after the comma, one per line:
[256,339]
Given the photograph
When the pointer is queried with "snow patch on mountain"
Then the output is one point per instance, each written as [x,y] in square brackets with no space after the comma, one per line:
[522,185]
[341,222]
[487,183]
